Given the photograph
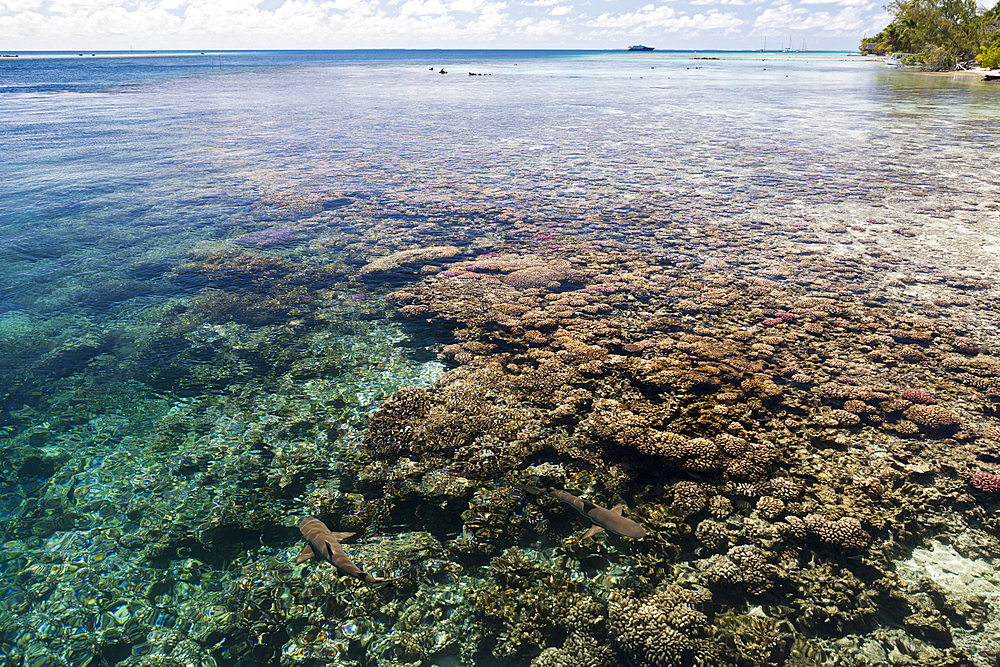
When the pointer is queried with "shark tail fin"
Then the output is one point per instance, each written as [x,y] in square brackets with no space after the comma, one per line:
[377,581]
[533,490]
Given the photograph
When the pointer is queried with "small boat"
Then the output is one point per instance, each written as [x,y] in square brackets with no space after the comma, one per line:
[991,77]
[640,47]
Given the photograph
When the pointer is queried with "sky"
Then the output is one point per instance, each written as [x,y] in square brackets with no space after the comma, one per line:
[467,24]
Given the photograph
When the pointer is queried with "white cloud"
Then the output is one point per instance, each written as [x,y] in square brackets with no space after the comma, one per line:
[531,27]
[20,6]
[647,16]
[785,17]
[667,18]
[288,24]
[844,3]
[466,5]
[778,18]
[422,8]
[202,24]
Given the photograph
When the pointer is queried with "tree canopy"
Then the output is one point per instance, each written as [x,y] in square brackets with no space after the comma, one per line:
[941,31]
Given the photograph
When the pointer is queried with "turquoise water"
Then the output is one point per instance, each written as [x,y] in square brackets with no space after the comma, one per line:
[193,327]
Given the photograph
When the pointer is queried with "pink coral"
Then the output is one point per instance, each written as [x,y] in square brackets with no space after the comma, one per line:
[986,482]
[917,396]
[778,318]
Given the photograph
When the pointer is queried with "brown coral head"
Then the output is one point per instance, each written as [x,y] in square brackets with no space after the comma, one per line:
[933,417]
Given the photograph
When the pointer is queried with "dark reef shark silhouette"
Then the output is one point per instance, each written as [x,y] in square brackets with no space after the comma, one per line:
[326,545]
[611,519]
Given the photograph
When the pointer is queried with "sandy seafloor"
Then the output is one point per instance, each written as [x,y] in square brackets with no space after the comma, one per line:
[753,297]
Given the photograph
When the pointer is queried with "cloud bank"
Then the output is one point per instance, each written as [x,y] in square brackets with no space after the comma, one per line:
[347,24]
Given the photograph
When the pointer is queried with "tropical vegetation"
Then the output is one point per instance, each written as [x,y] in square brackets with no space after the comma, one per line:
[940,34]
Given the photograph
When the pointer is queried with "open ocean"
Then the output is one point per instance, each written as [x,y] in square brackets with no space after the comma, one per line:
[753,297]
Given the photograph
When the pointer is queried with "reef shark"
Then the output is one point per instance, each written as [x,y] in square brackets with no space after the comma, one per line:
[326,545]
[611,519]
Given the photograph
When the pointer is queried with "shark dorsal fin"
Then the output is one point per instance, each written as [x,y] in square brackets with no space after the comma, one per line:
[587,505]
[617,509]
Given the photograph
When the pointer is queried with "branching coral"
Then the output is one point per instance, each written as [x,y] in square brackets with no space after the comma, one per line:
[666,629]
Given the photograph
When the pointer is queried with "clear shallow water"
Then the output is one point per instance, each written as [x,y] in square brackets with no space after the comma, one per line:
[112,162]
[186,237]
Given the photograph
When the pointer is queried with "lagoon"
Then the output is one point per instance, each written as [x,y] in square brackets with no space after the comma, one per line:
[240,288]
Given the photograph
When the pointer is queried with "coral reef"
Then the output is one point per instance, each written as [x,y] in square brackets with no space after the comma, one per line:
[784,432]
[664,629]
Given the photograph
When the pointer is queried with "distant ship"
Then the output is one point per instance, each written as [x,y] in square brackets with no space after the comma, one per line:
[640,47]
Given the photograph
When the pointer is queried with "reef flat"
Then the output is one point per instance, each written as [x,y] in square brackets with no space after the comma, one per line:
[800,409]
